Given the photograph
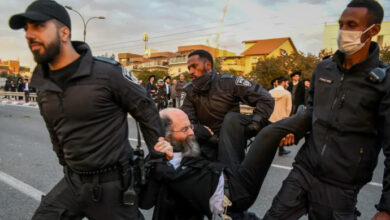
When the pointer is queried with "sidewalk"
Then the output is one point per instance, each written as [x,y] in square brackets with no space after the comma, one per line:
[17,102]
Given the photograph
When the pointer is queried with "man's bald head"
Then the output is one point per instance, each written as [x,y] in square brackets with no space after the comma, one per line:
[178,131]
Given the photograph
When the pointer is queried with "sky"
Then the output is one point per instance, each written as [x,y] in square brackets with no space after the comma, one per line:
[171,23]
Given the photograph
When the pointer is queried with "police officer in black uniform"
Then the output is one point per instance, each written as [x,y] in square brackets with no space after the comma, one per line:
[212,102]
[349,117]
[84,101]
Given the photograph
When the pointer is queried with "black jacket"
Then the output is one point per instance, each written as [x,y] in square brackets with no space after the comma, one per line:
[209,98]
[87,121]
[173,192]
[299,97]
[350,117]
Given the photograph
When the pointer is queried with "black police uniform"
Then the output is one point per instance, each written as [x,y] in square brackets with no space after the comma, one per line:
[214,100]
[86,115]
[350,122]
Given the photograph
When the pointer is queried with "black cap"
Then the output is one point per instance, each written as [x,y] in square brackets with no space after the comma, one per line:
[298,72]
[41,10]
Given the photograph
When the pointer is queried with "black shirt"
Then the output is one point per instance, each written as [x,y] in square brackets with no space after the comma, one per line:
[62,76]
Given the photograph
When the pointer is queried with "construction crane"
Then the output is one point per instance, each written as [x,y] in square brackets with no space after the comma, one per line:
[221,23]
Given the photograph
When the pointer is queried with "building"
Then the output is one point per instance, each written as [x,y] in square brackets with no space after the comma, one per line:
[13,65]
[157,61]
[329,42]
[127,59]
[255,50]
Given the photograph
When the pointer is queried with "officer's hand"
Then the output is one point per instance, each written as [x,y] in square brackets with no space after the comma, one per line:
[288,140]
[207,128]
[252,129]
[381,216]
[164,146]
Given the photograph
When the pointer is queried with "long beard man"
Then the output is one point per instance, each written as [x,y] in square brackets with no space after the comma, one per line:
[189,147]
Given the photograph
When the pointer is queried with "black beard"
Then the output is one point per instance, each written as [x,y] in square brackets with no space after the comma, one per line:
[52,51]
[189,147]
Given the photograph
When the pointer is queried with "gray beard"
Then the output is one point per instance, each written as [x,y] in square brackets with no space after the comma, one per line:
[189,147]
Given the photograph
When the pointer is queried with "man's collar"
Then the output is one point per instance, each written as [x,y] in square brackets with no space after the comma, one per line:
[40,78]
[372,60]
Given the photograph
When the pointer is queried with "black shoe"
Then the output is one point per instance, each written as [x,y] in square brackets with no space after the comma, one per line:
[283,151]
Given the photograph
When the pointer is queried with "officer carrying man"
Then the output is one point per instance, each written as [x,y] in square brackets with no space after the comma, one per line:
[349,117]
[84,101]
[212,102]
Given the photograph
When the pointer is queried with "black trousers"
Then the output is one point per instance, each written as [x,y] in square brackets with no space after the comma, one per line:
[26,96]
[232,139]
[303,193]
[72,199]
[245,181]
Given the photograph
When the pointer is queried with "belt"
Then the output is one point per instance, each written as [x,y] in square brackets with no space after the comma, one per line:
[108,174]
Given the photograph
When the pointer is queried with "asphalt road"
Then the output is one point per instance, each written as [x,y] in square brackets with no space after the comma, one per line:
[28,167]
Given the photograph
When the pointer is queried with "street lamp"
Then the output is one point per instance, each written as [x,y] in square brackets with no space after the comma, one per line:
[82,18]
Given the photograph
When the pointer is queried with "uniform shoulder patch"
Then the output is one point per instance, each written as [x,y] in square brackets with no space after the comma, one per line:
[107,60]
[227,76]
[127,75]
[240,81]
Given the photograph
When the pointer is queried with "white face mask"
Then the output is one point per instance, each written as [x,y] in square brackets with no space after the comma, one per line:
[349,41]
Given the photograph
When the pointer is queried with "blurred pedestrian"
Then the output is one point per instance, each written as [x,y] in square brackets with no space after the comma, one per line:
[174,93]
[179,90]
[20,87]
[283,105]
[161,96]
[297,89]
[26,91]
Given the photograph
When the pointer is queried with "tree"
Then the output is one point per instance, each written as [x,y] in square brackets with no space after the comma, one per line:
[270,68]
[4,74]
[385,54]
[112,57]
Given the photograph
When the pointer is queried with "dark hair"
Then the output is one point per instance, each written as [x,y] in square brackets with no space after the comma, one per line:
[374,9]
[151,77]
[203,55]
[298,72]
[282,79]
[166,77]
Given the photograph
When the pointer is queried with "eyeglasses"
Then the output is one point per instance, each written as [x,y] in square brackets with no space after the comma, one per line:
[186,129]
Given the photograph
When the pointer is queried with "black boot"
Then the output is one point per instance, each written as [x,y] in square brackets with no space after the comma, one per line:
[283,151]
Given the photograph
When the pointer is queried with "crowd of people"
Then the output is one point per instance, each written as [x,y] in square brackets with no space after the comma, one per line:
[199,163]
[165,92]
[19,86]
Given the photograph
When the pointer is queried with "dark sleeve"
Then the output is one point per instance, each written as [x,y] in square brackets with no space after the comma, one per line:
[384,131]
[133,98]
[255,95]
[53,137]
[188,104]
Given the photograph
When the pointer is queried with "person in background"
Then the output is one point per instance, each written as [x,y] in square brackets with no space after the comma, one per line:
[161,95]
[150,87]
[167,81]
[283,105]
[20,87]
[26,91]
[174,93]
[297,89]
[307,87]
[179,90]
